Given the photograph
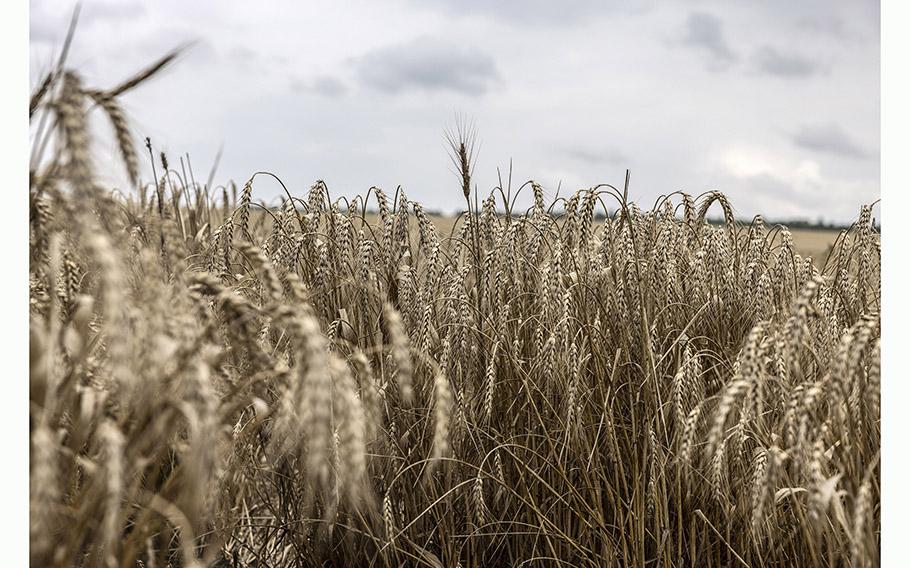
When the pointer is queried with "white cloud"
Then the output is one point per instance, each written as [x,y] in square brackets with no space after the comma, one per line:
[745,162]
[783,186]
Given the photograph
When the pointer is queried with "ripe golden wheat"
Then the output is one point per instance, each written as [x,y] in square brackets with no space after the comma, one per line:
[217,383]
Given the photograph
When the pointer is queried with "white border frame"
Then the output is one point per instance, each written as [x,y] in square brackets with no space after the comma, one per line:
[895,385]
[895,123]
[14,334]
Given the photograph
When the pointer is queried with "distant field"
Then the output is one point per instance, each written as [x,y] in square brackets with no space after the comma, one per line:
[809,242]
[814,243]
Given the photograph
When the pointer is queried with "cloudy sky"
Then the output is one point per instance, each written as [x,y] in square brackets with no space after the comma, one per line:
[775,103]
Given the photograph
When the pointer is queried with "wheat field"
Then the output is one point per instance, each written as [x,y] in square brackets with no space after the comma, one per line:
[816,243]
[341,382]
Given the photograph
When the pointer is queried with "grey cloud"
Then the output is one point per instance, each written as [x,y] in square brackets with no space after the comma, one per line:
[430,65]
[823,23]
[329,86]
[538,12]
[790,65]
[324,85]
[779,200]
[830,139]
[705,31]
[773,188]
[608,156]
[766,194]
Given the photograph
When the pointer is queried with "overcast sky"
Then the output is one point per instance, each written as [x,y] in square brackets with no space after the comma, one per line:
[775,102]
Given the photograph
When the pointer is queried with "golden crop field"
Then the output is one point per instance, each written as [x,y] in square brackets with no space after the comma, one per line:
[215,386]
[815,243]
